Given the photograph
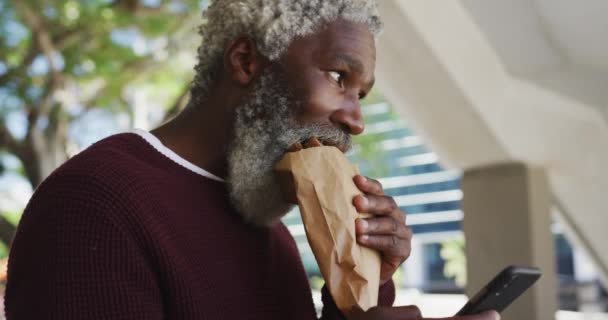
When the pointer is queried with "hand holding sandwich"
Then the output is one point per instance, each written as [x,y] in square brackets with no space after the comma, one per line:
[386,231]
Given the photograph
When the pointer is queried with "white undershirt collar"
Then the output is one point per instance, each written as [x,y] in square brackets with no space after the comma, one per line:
[160,147]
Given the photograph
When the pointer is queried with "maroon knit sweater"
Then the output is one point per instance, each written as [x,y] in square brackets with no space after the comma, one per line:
[122,232]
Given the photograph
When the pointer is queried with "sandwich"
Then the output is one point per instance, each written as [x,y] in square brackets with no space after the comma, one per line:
[319,179]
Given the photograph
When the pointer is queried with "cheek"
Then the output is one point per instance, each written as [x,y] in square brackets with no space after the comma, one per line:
[320,101]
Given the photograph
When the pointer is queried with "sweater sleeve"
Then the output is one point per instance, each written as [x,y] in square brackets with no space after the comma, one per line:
[386,297]
[69,260]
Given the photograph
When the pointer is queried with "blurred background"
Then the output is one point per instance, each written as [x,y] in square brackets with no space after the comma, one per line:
[469,93]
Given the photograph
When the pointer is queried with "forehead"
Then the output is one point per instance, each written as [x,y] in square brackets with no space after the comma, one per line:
[338,39]
[345,35]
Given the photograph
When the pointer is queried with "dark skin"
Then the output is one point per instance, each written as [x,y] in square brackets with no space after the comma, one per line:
[330,72]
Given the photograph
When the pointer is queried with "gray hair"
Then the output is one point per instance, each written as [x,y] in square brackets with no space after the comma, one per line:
[272,24]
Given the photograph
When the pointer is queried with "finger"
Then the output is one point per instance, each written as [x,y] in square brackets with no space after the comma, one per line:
[368,185]
[486,315]
[383,226]
[295,147]
[401,313]
[408,312]
[390,245]
[312,142]
[378,205]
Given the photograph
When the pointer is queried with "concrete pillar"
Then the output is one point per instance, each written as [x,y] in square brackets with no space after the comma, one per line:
[507,222]
[414,269]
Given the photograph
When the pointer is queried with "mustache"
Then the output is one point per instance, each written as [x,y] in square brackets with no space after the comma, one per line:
[328,135]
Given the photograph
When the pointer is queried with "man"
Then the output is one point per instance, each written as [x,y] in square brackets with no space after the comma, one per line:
[183,222]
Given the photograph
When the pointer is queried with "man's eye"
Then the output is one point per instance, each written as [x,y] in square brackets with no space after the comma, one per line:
[337,76]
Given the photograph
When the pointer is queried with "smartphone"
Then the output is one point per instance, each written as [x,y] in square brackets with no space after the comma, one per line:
[499,293]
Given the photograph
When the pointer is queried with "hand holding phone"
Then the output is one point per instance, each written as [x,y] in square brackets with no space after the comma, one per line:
[413,313]
[499,293]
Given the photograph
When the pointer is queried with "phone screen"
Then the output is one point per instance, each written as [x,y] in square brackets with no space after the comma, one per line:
[499,293]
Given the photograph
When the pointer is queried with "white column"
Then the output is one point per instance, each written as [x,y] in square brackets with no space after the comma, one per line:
[414,268]
[507,222]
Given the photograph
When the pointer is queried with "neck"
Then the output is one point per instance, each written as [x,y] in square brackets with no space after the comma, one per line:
[201,134]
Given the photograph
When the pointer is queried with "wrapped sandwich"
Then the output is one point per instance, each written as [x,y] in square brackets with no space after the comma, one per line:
[320,180]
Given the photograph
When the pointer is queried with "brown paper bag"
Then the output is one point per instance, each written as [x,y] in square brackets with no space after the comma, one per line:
[322,179]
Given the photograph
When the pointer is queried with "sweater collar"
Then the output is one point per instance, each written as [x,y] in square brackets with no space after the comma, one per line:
[160,147]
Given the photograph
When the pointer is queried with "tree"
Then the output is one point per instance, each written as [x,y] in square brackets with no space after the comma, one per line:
[61,59]
[455,259]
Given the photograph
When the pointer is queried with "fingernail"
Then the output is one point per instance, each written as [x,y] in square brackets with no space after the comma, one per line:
[364,202]
[364,224]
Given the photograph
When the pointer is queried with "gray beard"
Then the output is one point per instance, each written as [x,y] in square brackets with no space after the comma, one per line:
[264,129]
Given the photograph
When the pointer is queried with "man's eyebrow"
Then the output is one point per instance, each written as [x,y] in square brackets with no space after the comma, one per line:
[352,62]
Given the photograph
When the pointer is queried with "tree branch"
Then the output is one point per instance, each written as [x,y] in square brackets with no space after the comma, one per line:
[3,50]
[7,231]
[46,102]
[39,32]
[19,70]
[61,42]
[43,42]
[41,35]
[136,8]
[134,68]
[7,141]
[68,37]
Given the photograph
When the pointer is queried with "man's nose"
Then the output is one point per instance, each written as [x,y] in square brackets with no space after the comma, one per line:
[350,118]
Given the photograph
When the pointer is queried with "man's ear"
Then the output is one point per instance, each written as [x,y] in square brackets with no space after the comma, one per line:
[243,61]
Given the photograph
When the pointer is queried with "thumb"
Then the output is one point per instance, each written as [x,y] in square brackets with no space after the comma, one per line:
[486,315]
[407,312]
[396,313]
